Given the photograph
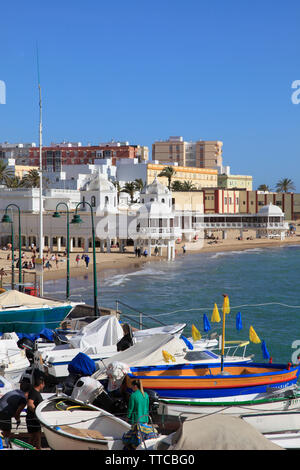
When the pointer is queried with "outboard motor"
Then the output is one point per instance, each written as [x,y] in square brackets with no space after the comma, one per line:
[153,401]
[81,366]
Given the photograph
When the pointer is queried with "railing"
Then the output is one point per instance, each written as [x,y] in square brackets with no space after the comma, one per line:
[141,314]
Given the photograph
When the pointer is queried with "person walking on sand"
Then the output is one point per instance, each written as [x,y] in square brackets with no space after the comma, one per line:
[77,259]
[184,249]
[87,260]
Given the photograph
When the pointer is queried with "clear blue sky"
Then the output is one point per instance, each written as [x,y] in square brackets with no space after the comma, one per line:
[142,71]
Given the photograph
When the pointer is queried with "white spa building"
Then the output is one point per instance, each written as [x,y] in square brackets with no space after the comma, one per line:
[151,223]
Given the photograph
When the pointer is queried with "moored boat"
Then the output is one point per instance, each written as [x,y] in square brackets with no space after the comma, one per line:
[209,380]
[278,400]
[70,424]
[22,313]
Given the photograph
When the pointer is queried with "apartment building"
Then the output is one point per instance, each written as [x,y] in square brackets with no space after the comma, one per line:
[200,154]
[71,153]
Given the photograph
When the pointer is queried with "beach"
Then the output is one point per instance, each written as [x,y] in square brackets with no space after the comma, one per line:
[128,260]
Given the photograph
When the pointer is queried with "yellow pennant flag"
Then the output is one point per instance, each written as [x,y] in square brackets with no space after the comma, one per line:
[215,318]
[226,307]
[253,336]
[167,356]
[196,335]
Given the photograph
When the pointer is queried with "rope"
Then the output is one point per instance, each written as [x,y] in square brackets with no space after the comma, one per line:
[231,307]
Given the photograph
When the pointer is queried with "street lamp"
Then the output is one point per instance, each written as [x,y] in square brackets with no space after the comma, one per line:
[77,220]
[56,215]
[7,219]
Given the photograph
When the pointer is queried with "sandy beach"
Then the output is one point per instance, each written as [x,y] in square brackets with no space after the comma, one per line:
[122,261]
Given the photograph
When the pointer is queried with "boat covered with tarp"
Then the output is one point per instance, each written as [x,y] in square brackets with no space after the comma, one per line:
[23,313]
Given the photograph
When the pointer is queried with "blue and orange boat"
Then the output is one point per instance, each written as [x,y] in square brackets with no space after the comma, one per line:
[208,381]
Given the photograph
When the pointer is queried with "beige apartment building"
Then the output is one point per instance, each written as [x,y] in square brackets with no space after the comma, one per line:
[200,154]
[199,177]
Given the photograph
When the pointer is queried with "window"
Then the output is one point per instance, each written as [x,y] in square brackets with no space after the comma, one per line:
[93,201]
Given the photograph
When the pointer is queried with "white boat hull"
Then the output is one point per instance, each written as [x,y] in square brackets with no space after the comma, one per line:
[238,406]
[282,428]
[79,426]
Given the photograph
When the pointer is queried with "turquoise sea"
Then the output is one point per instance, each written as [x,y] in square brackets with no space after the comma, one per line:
[262,284]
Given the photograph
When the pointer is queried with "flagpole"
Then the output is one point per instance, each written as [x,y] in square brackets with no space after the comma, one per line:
[41,240]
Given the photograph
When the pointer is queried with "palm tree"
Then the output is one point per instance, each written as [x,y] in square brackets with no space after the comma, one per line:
[264,187]
[14,182]
[168,172]
[285,185]
[176,186]
[5,172]
[32,179]
[139,184]
[188,186]
[130,188]
[118,188]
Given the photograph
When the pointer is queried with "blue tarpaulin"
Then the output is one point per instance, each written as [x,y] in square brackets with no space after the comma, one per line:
[82,365]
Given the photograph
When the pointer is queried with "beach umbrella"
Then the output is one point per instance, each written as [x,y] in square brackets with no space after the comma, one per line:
[168,357]
[187,342]
[253,336]
[206,324]
[196,335]
[238,321]
[215,318]
[265,352]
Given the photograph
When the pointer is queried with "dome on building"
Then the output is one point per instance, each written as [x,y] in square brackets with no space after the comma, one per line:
[155,188]
[270,210]
[99,183]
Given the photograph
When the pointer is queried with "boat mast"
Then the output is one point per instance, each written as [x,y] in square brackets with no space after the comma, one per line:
[41,241]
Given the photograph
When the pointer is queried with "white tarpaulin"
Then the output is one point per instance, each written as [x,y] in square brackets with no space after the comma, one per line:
[14,298]
[147,352]
[105,331]
[175,329]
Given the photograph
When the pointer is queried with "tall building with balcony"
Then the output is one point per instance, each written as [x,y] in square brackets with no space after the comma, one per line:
[200,154]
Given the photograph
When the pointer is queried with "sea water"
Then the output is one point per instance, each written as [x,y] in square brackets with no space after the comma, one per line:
[263,285]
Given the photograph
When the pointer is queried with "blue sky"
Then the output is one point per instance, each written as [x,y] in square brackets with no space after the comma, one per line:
[142,71]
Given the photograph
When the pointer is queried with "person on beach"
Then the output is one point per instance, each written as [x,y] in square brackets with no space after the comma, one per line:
[11,406]
[156,250]
[77,259]
[87,260]
[184,249]
[145,253]
[32,423]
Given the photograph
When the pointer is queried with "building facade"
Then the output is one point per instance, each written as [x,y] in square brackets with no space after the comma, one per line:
[199,154]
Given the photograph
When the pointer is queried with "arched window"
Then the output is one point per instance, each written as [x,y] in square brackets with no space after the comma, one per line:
[163,200]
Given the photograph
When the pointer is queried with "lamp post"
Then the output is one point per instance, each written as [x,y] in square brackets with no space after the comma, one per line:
[56,215]
[7,219]
[77,220]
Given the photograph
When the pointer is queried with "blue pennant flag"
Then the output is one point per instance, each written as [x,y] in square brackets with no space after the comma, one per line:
[187,342]
[206,324]
[265,352]
[238,321]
